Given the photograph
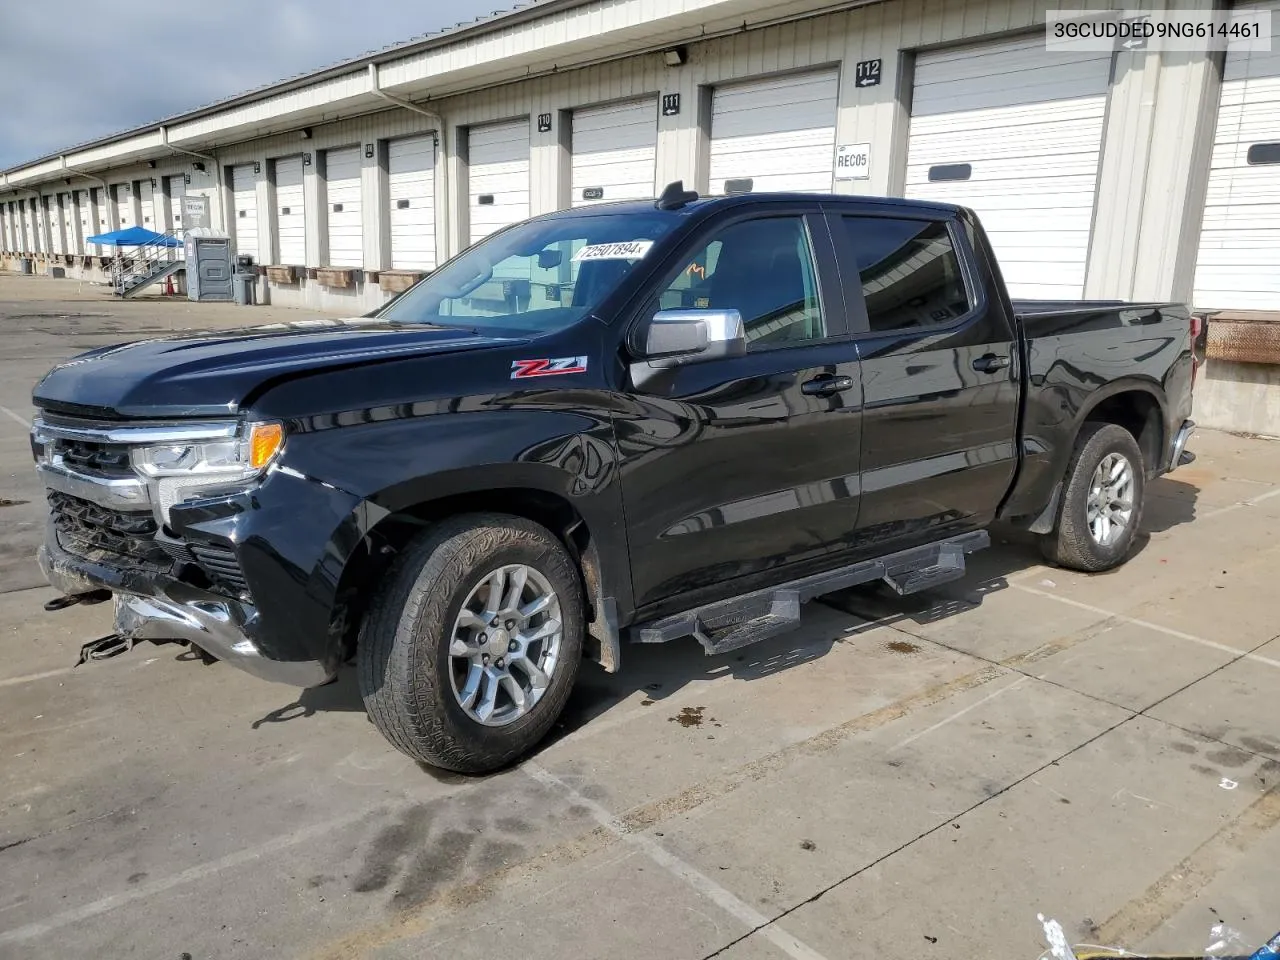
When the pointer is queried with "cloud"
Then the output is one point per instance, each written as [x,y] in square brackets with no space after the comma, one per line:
[99,70]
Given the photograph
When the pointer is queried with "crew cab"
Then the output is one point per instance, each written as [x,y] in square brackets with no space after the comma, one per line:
[627,422]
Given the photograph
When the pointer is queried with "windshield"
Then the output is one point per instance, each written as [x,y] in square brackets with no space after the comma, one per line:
[536,277]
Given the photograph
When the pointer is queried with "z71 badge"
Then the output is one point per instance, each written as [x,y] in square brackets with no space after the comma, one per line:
[520,369]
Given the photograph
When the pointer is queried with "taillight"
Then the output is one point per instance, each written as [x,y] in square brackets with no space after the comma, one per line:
[1197,328]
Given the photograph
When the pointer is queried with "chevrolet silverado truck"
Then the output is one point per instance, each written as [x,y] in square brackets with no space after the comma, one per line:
[628,422]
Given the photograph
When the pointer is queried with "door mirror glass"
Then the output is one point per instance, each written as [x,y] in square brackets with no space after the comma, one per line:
[687,336]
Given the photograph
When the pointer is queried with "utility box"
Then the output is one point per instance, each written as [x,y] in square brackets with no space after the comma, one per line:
[209,272]
[245,280]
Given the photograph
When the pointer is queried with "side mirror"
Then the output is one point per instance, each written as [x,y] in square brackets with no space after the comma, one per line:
[674,337]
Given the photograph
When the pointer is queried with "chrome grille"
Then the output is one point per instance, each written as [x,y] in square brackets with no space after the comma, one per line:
[87,529]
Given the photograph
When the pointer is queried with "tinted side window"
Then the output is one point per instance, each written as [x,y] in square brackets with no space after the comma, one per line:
[763,269]
[910,272]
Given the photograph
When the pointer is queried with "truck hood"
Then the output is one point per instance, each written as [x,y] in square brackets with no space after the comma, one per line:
[212,373]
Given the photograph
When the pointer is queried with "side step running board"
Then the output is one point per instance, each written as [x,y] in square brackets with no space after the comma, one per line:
[729,624]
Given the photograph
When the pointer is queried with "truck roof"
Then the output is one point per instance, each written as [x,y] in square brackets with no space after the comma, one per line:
[704,205]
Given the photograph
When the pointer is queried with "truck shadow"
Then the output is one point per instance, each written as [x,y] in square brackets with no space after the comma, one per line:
[659,671]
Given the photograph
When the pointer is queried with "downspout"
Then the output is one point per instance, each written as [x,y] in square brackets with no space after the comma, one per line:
[441,133]
[87,176]
[217,171]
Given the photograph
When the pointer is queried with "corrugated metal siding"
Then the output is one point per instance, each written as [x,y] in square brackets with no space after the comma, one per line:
[411,195]
[1238,266]
[291,217]
[342,179]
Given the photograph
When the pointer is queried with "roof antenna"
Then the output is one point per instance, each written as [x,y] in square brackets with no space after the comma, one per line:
[676,196]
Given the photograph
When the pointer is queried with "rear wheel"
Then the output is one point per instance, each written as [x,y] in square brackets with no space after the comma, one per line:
[469,652]
[1102,500]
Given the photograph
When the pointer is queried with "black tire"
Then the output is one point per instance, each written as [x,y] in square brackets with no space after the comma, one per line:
[403,660]
[1071,544]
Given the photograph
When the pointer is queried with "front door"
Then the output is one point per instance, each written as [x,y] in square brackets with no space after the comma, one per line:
[939,372]
[744,465]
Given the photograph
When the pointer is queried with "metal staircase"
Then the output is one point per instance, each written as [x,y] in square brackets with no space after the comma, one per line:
[142,266]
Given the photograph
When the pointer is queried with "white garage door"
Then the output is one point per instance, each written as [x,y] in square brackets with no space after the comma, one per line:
[498,173]
[411,191]
[53,217]
[177,190]
[146,200]
[124,205]
[1239,262]
[291,218]
[346,236]
[82,215]
[31,243]
[39,219]
[244,200]
[776,134]
[70,223]
[1016,134]
[615,152]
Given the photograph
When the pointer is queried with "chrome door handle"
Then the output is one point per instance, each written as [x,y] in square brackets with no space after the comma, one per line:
[826,385]
[990,363]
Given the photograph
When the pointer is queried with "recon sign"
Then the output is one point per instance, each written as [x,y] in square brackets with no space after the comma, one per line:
[195,211]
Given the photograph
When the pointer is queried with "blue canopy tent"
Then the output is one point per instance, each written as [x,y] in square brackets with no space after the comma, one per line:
[134,237]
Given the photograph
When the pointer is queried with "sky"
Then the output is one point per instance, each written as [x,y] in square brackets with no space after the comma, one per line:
[95,69]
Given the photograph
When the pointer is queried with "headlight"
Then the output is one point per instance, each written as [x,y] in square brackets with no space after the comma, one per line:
[181,471]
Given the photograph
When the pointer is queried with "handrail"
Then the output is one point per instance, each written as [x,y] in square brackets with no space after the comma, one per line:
[139,263]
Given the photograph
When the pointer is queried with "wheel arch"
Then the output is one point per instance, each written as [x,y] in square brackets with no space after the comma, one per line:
[395,520]
[1136,405]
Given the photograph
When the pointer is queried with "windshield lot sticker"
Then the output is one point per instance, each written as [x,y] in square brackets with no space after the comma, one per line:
[625,250]
[522,369]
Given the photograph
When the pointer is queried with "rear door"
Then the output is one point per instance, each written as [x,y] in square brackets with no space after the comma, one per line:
[940,379]
[744,465]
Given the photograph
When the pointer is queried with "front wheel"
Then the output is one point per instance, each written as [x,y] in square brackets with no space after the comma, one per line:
[468,653]
[1101,501]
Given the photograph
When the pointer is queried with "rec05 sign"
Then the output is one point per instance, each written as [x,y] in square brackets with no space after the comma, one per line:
[853,161]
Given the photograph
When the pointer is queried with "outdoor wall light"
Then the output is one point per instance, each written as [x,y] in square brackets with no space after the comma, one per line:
[151,164]
[368,149]
[306,133]
[675,57]
[198,165]
[257,167]
[306,159]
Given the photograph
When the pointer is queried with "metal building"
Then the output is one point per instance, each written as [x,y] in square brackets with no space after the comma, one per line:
[1124,174]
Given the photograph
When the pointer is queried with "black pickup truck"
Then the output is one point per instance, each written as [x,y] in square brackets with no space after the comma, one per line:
[636,421]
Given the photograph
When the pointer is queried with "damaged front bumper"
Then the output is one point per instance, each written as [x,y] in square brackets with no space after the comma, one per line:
[154,607]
